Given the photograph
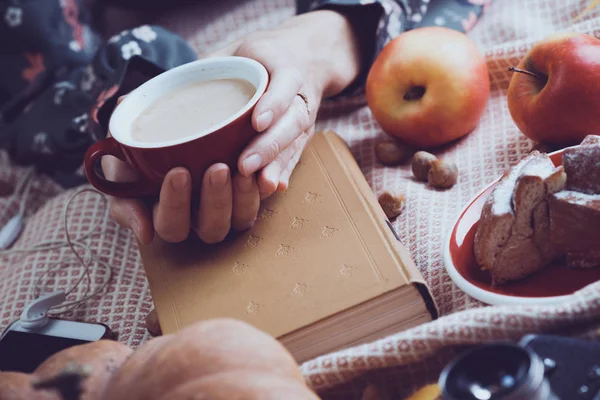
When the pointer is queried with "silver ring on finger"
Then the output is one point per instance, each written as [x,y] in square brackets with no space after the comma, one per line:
[305,100]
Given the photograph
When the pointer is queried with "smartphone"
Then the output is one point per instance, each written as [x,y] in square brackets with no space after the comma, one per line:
[23,350]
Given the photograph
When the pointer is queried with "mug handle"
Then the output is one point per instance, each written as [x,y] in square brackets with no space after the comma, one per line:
[110,147]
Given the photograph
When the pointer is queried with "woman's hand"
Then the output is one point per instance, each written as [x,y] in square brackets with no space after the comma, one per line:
[315,54]
[225,204]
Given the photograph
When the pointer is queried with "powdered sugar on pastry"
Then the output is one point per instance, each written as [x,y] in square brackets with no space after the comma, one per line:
[502,195]
[581,199]
[584,153]
[543,169]
[591,140]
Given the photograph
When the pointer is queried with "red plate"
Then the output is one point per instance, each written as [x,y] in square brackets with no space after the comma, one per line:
[550,285]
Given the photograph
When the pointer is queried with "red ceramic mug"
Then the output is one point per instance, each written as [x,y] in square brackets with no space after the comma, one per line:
[222,143]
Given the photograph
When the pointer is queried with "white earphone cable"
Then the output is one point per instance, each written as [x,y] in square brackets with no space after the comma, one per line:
[88,259]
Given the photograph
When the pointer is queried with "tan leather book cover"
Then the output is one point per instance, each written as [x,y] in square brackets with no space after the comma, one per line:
[321,247]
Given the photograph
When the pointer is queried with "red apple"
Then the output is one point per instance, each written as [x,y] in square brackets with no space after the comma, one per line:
[428,86]
[554,93]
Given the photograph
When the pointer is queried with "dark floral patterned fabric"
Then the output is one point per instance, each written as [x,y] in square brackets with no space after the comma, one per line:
[59,79]
[56,73]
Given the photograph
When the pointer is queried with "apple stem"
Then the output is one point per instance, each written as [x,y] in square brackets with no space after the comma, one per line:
[524,71]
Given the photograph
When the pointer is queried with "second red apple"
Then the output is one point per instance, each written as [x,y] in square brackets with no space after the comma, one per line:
[554,93]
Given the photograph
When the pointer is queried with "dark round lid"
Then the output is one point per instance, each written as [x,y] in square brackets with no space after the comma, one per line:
[489,372]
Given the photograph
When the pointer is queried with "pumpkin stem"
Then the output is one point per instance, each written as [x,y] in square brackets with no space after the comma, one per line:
[68,382]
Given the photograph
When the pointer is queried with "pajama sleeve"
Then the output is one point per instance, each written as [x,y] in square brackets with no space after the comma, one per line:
[392,17]
[60,80]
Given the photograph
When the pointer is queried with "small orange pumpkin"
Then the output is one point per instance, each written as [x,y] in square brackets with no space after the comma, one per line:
[202,349]
[18,386]
[241,384]
[103,358]
[217,359]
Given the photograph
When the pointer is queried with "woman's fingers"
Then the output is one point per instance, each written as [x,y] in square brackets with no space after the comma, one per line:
[270,175]
[267,146]
[172,212]
[246,202]
[283,87]
[117,170]
[286,173]
[213,221]
[284,178]
[132,214]
[278,171]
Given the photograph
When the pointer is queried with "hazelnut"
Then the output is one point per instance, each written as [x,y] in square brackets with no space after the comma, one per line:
[443,174]
[421,163]
[391,203]
[390,152]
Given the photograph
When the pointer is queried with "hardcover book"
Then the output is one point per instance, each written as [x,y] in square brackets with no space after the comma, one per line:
[321,270]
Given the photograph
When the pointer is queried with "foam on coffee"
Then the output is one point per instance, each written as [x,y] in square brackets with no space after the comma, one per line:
[191,109]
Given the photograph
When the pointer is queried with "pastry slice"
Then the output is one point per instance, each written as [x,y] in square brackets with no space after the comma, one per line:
[537,179]
[575,227]
[582,165]
[512,237]
[590,140]
[497,218]
[541,233]
[587,259]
